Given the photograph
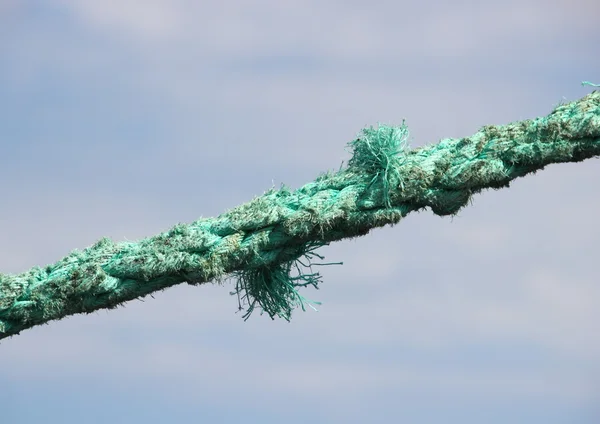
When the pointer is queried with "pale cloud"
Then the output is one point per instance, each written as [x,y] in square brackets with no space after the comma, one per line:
[256,360]
[148,19]
[544,309]
[332,29]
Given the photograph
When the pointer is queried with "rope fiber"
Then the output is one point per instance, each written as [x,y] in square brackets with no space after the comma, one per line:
[269,244]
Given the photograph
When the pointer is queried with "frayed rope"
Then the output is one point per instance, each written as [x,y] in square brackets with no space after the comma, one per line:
[275,288]
[269,244]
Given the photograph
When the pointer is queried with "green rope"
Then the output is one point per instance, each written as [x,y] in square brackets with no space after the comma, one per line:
[269,244]
[590,84]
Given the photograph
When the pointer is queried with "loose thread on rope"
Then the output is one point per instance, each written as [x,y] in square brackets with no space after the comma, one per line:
[268,245]
[275,288]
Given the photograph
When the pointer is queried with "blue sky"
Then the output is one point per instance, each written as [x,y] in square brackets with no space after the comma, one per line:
[123,118]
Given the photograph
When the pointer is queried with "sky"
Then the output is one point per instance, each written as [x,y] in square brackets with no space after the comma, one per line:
[124,118]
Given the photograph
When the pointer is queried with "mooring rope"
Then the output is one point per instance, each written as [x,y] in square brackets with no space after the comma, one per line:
[268,245]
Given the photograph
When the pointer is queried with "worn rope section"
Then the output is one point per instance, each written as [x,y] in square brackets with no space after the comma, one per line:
[269,244]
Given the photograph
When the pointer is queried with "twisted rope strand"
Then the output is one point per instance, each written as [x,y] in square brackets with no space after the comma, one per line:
[262,242]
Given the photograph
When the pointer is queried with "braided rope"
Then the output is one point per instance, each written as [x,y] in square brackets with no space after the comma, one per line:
[269,244]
